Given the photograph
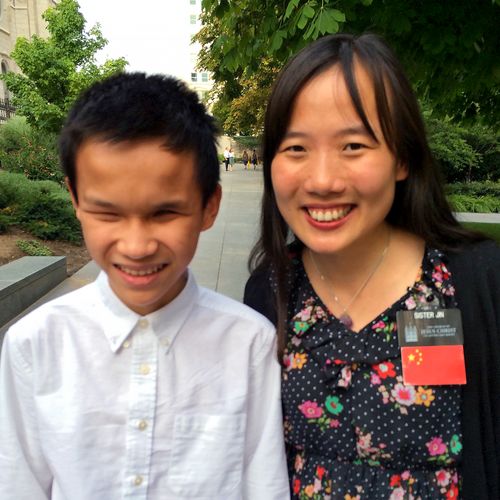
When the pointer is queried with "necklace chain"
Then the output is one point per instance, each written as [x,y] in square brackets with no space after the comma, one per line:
[345,318]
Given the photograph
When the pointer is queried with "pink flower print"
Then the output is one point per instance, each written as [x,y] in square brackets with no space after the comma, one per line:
[364,442]
[334,423]
[397,494]
[410,303]
[299,463]
[405,475]
[404,394]
[310,409]
[443,477]
[345,377]
[379,325]
[436,446]
[304,315]
[375,379]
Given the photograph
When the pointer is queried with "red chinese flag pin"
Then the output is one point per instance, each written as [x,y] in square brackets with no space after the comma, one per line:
[433,365]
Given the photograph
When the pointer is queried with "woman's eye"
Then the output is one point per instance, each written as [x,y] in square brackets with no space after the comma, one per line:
[295,148]
[354,146]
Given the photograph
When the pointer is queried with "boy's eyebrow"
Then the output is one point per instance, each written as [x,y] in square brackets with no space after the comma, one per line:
[154,208]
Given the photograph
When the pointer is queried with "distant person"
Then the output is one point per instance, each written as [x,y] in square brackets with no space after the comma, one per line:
[226,158]
[366,272]
[244,159]
[254,159]
[141,384]
[231,159]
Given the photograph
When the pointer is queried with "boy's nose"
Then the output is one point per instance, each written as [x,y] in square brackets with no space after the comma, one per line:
[137,242]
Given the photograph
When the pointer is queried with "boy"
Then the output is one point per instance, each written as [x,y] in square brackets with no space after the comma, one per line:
[141,385]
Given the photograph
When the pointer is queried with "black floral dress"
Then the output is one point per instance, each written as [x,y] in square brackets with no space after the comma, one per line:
[353,429]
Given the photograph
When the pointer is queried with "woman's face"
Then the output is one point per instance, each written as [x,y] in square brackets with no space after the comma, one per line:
[334,184]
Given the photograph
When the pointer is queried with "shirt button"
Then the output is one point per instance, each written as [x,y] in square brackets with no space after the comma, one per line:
[143,323]
[126,344]
[165,342]
[145,369]
[142,425]
[138,480]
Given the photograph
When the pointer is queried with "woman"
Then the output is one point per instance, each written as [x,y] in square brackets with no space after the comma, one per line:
[350,181]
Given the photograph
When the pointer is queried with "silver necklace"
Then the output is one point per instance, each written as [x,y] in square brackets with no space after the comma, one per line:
[345,318]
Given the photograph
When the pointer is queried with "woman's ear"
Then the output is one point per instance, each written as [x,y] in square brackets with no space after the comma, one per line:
[401,171]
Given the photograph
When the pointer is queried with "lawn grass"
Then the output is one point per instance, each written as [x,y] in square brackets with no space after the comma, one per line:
[491,230]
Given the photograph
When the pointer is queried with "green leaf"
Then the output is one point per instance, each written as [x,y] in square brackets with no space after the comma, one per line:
[292,5]
[337,15]
[308,11]
[302,22]
[277,41]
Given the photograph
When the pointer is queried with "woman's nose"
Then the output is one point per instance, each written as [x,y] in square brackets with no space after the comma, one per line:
[326,174]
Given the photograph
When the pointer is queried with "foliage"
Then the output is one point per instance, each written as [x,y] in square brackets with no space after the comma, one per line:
[29,151]
[482,204]
[465,154]
[450,54]
[248,142]
[42,208]
[475,189]
[57,69]
[34,248]
[456,157]
[487,144]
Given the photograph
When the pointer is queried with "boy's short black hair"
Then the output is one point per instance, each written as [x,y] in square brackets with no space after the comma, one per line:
[136,106]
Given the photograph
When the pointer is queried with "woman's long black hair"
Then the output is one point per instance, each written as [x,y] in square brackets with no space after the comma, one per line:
[419,206]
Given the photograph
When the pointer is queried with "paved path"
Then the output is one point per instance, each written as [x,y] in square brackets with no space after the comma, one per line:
[220,262]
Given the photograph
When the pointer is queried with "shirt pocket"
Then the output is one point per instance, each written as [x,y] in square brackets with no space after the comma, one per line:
[207,455]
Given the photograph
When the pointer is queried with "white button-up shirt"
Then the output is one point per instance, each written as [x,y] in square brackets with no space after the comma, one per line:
[99,403]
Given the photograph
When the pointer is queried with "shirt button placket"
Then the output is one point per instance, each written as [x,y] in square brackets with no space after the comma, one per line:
[141,409]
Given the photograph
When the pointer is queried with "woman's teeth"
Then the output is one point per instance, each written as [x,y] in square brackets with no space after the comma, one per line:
[328,215]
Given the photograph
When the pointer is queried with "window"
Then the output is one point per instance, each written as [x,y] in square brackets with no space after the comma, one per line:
[194,77]
[192,19]
[204,77]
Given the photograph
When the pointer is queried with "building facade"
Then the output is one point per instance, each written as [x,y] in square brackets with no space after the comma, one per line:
[200,81]
[19,18]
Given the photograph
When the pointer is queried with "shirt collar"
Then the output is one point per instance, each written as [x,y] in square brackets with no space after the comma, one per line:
[119,321]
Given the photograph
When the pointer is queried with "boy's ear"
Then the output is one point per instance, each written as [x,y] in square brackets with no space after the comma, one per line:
[72,194]
[211,209]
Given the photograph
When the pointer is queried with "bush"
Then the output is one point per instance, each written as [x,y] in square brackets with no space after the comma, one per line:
[465,154]
[41,207]
[457,159]
[34,248]
[28,151]
[476,189]
[487,144]
[466,203]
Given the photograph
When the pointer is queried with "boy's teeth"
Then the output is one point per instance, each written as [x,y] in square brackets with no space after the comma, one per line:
[142,272]
[328,215]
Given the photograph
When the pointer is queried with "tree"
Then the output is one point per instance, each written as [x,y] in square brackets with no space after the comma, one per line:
[57,69]
[450,50]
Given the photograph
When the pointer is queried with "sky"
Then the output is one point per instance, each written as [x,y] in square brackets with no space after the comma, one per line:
[150,34]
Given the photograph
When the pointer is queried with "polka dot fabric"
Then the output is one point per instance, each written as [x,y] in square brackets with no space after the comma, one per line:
[353,429]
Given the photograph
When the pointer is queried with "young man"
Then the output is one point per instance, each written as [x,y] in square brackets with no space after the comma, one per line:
[141,385]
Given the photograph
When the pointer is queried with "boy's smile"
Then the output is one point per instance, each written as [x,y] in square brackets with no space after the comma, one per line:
[141,212]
